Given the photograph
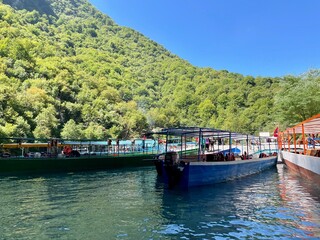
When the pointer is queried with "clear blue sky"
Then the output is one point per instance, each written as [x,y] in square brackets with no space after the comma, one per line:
[250,37]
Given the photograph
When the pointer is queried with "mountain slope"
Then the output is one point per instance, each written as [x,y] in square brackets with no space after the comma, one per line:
[74,73]
[43,7]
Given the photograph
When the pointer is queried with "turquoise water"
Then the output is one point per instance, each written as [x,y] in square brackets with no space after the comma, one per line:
[133,204]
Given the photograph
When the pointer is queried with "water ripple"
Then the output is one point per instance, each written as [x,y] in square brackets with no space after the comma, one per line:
[133,204]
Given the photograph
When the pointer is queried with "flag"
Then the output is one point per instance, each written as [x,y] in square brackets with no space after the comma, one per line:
[275,132]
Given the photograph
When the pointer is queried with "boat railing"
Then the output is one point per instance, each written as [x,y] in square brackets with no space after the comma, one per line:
[315,152]
[122,149]
[12,148]
[309,152]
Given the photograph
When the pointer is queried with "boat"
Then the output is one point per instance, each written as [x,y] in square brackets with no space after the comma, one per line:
[22,155]
[300,148]
[216,160]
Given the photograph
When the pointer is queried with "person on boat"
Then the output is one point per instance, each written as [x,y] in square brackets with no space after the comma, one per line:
[207,144]
[67,150]
[262,155]
[118,144]
[211,142]
[144,142]
[109,145]
[133,143]
[244,156]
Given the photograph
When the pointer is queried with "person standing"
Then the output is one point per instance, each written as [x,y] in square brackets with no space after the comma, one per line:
[118,145]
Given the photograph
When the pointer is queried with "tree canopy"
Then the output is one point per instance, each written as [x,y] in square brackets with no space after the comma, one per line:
[67,70]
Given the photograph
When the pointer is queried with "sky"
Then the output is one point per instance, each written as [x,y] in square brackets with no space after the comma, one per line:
[268,38]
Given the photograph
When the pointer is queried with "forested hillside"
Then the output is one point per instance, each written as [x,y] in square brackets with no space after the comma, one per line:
[67,70]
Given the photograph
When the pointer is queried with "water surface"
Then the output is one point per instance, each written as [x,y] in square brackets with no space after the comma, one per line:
[133,204]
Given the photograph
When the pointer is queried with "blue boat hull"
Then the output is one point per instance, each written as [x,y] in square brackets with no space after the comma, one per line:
[205,173]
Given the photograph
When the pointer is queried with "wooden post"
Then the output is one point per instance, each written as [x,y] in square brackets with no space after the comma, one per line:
[294,140]
[288,140]
[303,140]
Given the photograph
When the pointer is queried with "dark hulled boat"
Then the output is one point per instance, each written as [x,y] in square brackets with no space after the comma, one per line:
[185,169]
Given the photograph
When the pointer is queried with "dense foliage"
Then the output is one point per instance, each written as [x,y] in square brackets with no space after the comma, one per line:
[67,70]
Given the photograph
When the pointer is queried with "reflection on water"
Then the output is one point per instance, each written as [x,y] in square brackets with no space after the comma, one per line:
[133,204]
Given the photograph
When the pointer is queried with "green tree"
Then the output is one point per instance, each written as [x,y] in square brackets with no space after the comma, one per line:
[46,123]
[72,130]
[22,128]
[297,99]
[206,110]
[95,131]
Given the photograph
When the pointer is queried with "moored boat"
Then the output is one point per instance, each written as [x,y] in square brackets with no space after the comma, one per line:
[208,165]
[300,148]
[32,156]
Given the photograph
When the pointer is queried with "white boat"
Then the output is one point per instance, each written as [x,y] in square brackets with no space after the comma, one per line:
[300,148]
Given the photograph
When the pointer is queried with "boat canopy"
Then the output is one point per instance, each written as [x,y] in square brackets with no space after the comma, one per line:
[309,126]
[204,132]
